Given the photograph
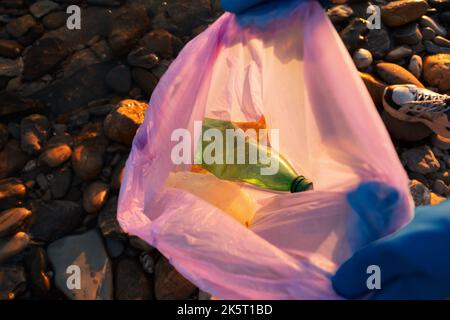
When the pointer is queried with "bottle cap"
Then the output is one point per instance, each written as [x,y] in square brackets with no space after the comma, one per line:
[301,184]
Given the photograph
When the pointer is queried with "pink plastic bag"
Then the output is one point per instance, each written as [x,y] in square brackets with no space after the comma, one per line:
[293,69]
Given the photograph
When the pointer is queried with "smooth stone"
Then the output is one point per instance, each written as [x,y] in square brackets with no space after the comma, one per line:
[433,48]
[362,58]
[121,124]
[10,48]
[43,7]
[426,21]
[56,155]
[395,74]
[418,48]
[10,68]
[60,183]
[352,35]
[12,159]
[11,246]
[107,219]
[420,193]
[87,252]
[35,131]
[13,281]
[95,196]
[55,219]
[339,13]
[119,79]
[87,160]
[170,284]
[159,42]
[148,262]
[440,188]
[142,58]
[378,42]
[409,34]
[131,282]
[421,160]
[18,27]
[399,53]
[12,193]
[436,71]
[441,41]
[144,79]
[11,220]
[54,20]
[375,87]
[407,131]
[401,12]
[415,66]
[428,33]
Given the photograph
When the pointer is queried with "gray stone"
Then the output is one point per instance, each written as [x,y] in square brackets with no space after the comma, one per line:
[421,160]
[399,53]
[378,42]
[86,251]
[362,58]
[114,246]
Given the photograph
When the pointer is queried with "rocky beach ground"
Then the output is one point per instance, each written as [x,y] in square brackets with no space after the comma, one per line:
[71,101]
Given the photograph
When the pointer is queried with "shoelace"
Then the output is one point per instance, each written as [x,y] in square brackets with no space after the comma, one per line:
[438,103]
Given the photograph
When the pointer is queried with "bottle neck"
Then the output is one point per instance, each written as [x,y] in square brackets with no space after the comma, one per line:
[300,184]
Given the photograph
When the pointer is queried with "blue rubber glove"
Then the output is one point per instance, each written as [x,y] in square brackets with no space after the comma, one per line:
[239,6]
[414,261]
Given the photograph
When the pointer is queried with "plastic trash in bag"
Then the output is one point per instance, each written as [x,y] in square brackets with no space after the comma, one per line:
[287,64]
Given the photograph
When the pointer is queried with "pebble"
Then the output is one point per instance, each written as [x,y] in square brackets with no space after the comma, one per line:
[60,183]
[441,41]
[409,34]
[12,159]
[11,246]
[54,20]
[395,74]
[87,252]
[119,79]
[440,188]
[401,12]
[55,219]
[426,21]
[362,58]
[428,33]
[399,53]
[433,48]
[11,220]
[34,132]
[12,192]
[415,65]
[160,42]
[95,196]
[43,7]
[10,49]
[87,160]
[20,26]
[143,58]
[131,282]
[421,160]
[170,284]
[10,68]
[436,71]
[340,13]
[420,193]
[352,35]
[121,124]
[378,42]
[441,142]
[145,79]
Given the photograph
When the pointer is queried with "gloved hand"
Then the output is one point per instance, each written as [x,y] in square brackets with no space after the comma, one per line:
[414,261]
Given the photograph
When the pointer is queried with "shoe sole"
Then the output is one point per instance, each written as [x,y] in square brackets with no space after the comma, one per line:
[440,129]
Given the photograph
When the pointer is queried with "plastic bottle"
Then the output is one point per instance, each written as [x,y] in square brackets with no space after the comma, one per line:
[225,195]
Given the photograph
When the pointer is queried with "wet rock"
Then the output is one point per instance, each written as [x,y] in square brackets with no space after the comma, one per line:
[131,282]
[88,253]
[436,71]
[119,79]
[43,57]
[401,12]
[36,267]
[57,151]
[352,35]
[107,219]
[121,124]
[362,58]
[43,7]
[34,133]
[11,220]
[54,20]
[409,34]
[10,48]
[395,74]
[420,193]
[426,21]
[55,219]
[10,68]
[12,281]
[421,160]
[12,159]
[95,196]
[60,183]
[11,246]
[145,80]
[12,192]
[169,283]
[87,160]
[142,57]
[415,65]
[20,26]
[399,53]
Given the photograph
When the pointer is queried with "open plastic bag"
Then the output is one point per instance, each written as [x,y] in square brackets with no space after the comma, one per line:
[287,63]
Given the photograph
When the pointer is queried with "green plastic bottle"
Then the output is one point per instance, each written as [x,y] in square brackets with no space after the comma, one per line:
[285,179]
